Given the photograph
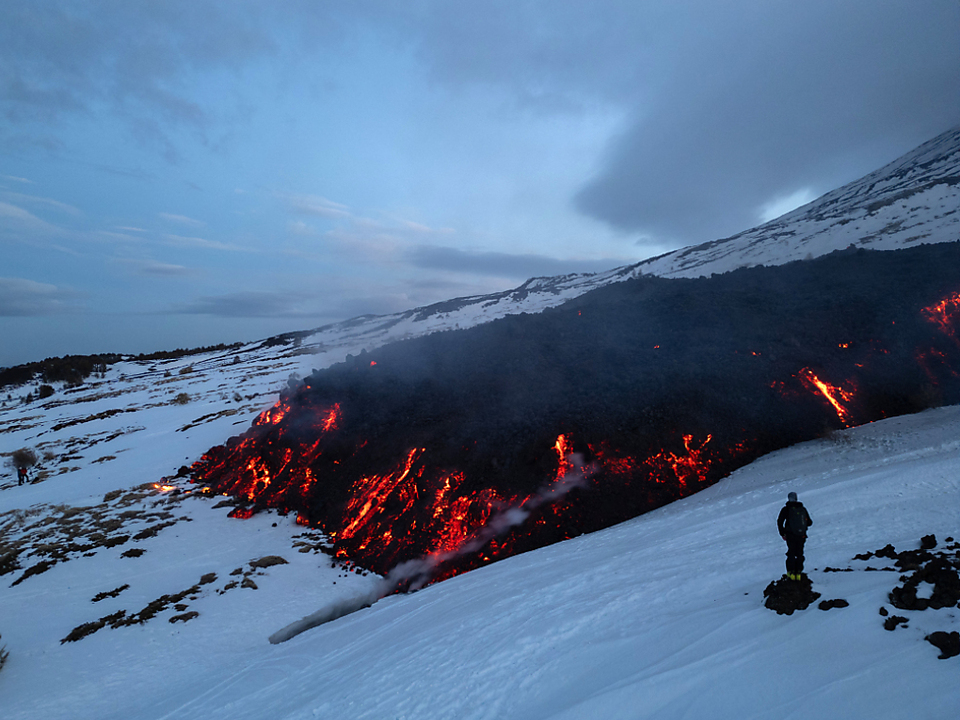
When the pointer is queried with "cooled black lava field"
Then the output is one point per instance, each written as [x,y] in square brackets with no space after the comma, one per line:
[467,446]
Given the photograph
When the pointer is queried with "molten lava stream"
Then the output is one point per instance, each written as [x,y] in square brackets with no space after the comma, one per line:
[933,359]
[837,396]
[946,315]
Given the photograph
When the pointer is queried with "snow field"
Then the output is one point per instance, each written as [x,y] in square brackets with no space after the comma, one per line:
[658,617]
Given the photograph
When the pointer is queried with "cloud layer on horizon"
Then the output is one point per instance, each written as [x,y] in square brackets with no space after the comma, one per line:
[210,162]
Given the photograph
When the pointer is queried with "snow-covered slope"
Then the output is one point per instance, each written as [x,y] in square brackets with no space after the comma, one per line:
[658,617]
[914,199]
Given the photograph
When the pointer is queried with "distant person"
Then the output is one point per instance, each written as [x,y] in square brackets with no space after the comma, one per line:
[21,475]
[792,523]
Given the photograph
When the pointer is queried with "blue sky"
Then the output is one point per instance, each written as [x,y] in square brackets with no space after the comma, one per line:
[177,174]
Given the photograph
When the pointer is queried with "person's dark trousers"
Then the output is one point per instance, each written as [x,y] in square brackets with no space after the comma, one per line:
[795,553]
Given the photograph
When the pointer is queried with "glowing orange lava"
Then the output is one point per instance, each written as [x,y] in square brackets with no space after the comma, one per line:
[946,315]
[836,395]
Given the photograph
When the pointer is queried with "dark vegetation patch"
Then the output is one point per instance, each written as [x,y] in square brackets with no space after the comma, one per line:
[245,577]
[39,568]
[312,542]
[74,369]
[132,553]
[180,352]
[229,412]
[109,593]
[111,541]
[267,561]
[19,424]
[122,619]
[178,601]
[82,631]
[70,369]
[43,536]
[152,531]
[93,418]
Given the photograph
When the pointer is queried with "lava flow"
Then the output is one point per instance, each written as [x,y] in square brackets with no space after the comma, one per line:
[945,315]
[438,473]
[838,396]
[417,509]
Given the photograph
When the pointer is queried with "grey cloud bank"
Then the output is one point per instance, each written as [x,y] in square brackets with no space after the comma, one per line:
[298,161]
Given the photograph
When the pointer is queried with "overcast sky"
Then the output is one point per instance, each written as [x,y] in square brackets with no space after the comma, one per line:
[176,174]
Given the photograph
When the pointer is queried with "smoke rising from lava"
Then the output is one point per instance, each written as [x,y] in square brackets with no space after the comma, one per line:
[412,575]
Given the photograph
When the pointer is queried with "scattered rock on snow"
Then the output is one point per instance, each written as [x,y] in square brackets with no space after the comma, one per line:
[835,603]
[268,561]
[110,593]
[947,643]
[891,622]
[785,595]
[185,617]
[938,572]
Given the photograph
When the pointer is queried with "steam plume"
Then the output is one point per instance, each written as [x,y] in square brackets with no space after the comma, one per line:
[412,575]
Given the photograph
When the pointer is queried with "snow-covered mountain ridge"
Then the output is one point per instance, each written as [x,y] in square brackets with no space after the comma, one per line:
[912,200]
[915,199]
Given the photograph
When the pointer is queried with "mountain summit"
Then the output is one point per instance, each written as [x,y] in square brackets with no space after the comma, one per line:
[911,201]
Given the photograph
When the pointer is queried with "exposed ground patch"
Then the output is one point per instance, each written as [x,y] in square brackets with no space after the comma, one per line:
[37,539]
[179,601]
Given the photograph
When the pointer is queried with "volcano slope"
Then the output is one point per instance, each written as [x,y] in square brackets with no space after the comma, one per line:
[463,447]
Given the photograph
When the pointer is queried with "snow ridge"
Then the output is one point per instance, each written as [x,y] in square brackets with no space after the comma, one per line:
[912,200]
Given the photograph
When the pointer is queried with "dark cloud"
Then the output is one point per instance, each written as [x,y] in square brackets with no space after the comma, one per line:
[729,104]
[58,58]
[435,257]
[27,298]
[155,268]
[250,304]
[808,98]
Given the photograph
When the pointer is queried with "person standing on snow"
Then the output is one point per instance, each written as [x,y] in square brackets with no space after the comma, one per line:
[21,475]
[792,523]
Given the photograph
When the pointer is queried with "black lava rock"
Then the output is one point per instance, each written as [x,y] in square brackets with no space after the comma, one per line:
[947,642]
[835,603]
[785,596]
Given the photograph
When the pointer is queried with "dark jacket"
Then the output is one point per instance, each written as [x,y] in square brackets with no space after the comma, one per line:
[782,519]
